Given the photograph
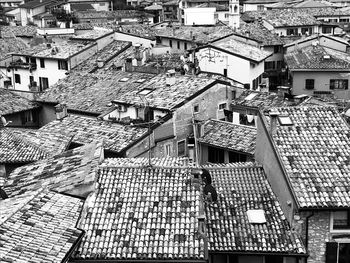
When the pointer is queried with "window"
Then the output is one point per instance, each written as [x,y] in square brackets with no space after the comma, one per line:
[145,91]
[344,20]
[227,15]
[124,79]
[285,120]
[225,72]
[326,30]
[185,45]
[42,63]
[181,148]
[279,64]
[269,65]
[309,84]
[196,108]
[337,252]
[170,43]
[233,94]
[256,216]
[43,83]
[216,155]
[338,84]
[306,30]
[260,7]
[340,220]
[178,44]
[277,49]
[222,106]
[31,80]
[168,149]
[18,78]
[62,64]
[27,117]
[292,31]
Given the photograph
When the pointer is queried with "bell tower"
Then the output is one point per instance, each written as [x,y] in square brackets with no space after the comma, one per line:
[234,15]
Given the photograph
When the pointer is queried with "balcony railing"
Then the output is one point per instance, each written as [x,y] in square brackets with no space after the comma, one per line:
[23,65]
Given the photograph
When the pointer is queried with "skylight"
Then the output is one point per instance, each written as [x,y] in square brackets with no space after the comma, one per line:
[285,120]
[124,79]
[250,96]
[145,91]
[256,216]
[140,80]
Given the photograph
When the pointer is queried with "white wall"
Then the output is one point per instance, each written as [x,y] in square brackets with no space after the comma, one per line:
[134,39]
[200,16]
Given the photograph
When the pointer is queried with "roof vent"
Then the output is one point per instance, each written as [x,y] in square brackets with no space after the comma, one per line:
[170,77]
[256,216]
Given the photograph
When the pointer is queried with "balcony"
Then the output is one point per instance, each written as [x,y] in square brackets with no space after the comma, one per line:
[23,65]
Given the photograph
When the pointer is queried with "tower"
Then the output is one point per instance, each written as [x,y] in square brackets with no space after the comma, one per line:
[234,15]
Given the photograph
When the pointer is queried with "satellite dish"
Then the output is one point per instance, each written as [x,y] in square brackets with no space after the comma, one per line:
[4,122]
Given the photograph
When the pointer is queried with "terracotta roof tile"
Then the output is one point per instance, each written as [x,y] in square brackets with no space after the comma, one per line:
[163,96]
[230,136]
[18,31]
[92,92]
[141,213]
[259,100]
[315,152]
[68,172]
[259,33]
[164,162]
[41,230]
[86,130]
[313,57]
[240,190]
[13,103]
[9,45]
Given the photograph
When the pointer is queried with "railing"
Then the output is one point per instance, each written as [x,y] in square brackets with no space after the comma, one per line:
[21,64]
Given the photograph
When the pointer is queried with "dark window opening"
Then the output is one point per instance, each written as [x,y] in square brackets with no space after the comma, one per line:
[234,157]
[338,84]
[42,63]
[216,155]
[181,151]
[309,84]
[18,78]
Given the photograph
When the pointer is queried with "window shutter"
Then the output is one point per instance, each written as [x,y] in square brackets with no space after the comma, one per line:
[346,84]
[331,252]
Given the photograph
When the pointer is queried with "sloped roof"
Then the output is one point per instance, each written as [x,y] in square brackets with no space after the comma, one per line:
[85,130]
[166,97]
[92,92]
[259,100]
[313,57]
[143,161]
[141,213]
[240,190]
[13,103]
[229,136]
[18,31]
[14,149]
[242,49]
[315,152]
[68,172]
[42,229]
[9,45]
[81,7]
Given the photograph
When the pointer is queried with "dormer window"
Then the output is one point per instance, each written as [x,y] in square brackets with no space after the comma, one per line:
[256,216]
[124,79]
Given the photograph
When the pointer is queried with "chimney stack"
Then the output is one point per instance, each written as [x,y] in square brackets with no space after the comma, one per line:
[274,113]
[61,111]
[100,63]
[170,77]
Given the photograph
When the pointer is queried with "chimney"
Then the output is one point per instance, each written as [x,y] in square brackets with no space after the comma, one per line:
[128,65]
[170,77]
[273,119]
[138,55]
[61,111]
[100,63]
[282,90]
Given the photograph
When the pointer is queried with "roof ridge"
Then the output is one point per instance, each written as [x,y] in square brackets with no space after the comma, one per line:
[233,124]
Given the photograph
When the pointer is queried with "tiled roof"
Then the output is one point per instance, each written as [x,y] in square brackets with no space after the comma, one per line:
[36,3]
[14,149]
[242,49]
[85,130]
[41,230]
[90,92]
[68,172]
[285,17]
[232,165]
[230,136]
[315,152]
[240,190]
[115,63]
[141,213]
[10,44]
[163,96]
[138,30]
[313,57]
[104,55]
[81,7]
[143,161]
[93,34]
[50,142]
[117,14]
[13,103]
[259,33]
[261,100]
[18,31]
[199,34]
[61,50]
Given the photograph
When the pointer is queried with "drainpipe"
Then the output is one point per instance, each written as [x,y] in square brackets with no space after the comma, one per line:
[307,232]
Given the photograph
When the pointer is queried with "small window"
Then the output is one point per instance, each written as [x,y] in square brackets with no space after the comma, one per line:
[124,79]
[326,30]
[338,84]
[196,108]
[250,96]
[292,31]
[309,84]
[18,78]
[168,149]
[145,91]
[222,106]
[62,64]
[256,216]
[43,83]
[42,63]
[31,79]
[181,151]
[185,46]
[276,49]
[178,45]
[233,94]
[341,220]
[170,43]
